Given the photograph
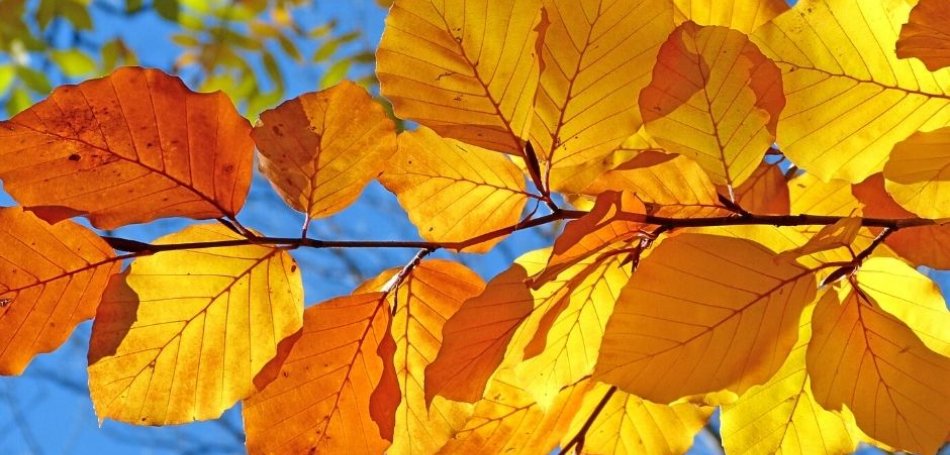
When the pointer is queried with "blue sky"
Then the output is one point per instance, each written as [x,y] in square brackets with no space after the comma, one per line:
[48,411]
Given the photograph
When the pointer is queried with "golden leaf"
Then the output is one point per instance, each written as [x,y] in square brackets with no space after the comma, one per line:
[596,58]
[781,416]
[180,335]
[51,279]
[925,35]
[876,355]
[714,98]
[917,174]
[320,149]
[765,192]
[128,148]
[744,16]
[453,191]
[322,392]
[703,313]
[628,425]
[849,98]
[468,70]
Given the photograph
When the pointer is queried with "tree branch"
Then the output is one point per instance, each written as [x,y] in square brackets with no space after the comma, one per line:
[578,439]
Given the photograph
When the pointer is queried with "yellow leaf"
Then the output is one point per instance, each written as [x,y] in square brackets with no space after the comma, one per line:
[51,279]
[714,98]
[454,191]
[838,235]
[563,348]
[128,148]
[674,186]
[428,296]
[628,425]
[924,245]
[180,335]
[596,58]
[865,359]
[765,192]
[600,231]
[811,195]
[925,35]
[781,416]
[917,174]
[744,16]
[467,70]
[509,421]
[703,313]
[909,296]
[320,398]
[850,99]
[320,149]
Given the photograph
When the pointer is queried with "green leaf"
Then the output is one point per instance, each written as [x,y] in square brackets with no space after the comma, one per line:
[168,9]
[34,79]
[336,73]
[19,100]
[7,75]
[73,62]
[76,13]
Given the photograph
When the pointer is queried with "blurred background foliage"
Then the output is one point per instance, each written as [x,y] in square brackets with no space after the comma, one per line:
[246,48]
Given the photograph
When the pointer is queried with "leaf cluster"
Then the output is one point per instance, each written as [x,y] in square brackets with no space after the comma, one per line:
[752,189]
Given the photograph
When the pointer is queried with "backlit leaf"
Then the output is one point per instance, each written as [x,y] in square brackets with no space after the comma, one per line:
[508,420]
[917,174]
[596,58]
[765,192]
[51,279]
[703,313]
[454,191]
[744,16]
[320,149]
[714,98]
[468,70]
[129,148]
[909,296]
[781,416]
[320,399]
[895,386]
[628,425]
[674,186]
[431,294]
[925,35]
[180,335]
[850,99]
[838,235]
[924,245]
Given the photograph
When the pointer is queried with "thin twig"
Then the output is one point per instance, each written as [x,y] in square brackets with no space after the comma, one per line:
[578,439]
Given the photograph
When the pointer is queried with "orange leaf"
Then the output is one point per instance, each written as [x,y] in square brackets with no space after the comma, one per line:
[596,58]
[765,192]
[475,339]
[467,70]
[320,149]
[453,191]
[883,373]
[428,296]
[320,399]
[917,173]
[714,98]
[51,279]
[703,313]
[180,335]
[924,245]
[128,148]
[925,35]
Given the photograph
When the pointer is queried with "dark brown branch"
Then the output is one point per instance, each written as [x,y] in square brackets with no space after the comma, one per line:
[141,248]
[578,439]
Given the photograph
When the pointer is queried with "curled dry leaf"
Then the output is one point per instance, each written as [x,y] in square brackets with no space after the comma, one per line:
[180,335]
[131,147]
[51,279]
[320,150]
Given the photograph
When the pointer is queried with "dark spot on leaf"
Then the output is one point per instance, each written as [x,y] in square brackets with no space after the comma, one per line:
[74,157]
[293,268]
